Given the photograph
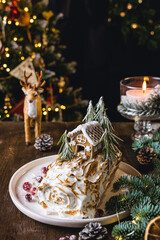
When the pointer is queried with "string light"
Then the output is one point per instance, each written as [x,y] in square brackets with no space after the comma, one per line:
[49,109]
[5,111]
[63,107]
[9,22]
[7,115]
[34,17]
[8,69]
[31,20]
[56,109]
[3,1]
[122,14]
[7,55]
[109,20]
[15,39]
[140,1]
[152,33]
[17,23]
[26,9]
[43,109]
[45,113]
[4,65]
[6,49]
[22,58]
[129,6]
[134,25]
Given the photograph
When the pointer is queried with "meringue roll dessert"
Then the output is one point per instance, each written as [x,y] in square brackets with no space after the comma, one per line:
[75,183]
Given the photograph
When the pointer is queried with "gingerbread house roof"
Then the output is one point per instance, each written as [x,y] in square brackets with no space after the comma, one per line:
[92,131]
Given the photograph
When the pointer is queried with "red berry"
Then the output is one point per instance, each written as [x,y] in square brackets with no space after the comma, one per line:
[44,170]
[27,186]
[39,178]
[28,197]
[33,191]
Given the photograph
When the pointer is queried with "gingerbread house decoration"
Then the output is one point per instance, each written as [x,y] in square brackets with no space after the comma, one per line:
[87,139]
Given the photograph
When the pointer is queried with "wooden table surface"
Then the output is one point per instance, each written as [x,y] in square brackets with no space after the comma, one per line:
[14,225]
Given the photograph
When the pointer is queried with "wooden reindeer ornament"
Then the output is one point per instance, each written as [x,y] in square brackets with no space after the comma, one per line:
[32,105]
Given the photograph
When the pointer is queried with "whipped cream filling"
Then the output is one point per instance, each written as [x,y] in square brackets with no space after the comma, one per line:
[74,189]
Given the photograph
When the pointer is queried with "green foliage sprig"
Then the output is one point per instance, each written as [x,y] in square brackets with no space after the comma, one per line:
[141,198]
[153,142]
[65,152]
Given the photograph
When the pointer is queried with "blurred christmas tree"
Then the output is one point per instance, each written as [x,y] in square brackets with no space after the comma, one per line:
[30,31]
[136,18]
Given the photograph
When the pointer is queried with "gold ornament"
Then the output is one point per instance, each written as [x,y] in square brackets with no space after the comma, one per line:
[47,15]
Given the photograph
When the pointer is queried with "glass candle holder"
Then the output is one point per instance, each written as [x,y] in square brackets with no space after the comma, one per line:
[140,101]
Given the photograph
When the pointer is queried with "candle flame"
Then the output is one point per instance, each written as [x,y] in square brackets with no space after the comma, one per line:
[146,78]
[144,86]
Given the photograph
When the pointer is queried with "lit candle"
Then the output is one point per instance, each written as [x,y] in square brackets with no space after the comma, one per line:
[139,94]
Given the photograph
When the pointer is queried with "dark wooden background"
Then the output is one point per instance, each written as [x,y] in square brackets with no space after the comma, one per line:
[14,225]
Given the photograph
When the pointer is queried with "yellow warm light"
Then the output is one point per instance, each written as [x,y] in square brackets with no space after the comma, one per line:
[5,111]
[129,6]
[43,109]
[3,1]
[26,9]
[17,23]
[15,39]
[8,69]
[7,115]
[7,54]
[152,33]
[34,17]
[10,107]
[31,20]
[49,109]
[4,65]
[137,218]
[63,107]
[109,20]
[39,44]
[134,25]
[56,109]
[122,14]
[22,58]
[6,49]
[9,22]
[5,107]
[45,113]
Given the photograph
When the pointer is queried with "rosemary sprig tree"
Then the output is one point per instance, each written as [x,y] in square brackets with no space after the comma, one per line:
[90,115]
[109,138]
[65,152]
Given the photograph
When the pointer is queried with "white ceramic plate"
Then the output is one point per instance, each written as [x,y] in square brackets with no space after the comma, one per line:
[35,211]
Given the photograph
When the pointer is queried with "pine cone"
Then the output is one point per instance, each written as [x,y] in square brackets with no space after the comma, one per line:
[93,231]
[146,155]
[44,142]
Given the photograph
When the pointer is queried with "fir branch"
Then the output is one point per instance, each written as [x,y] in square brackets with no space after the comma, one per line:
[123,201]
[145,211]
